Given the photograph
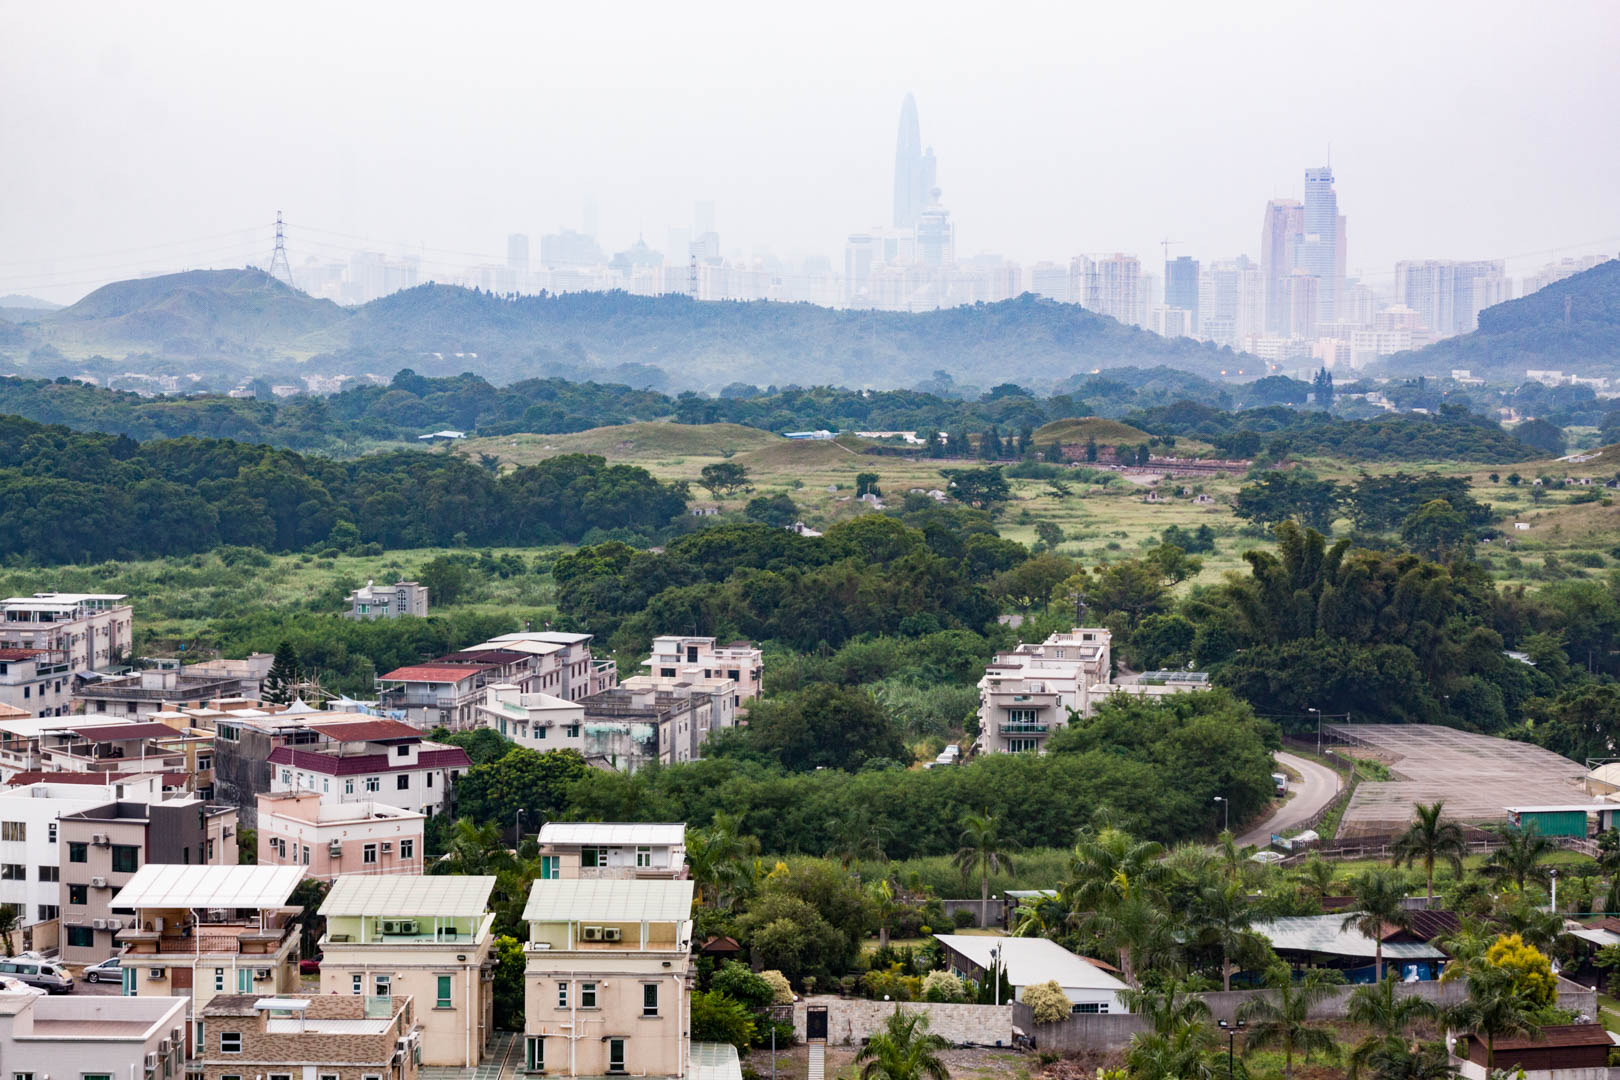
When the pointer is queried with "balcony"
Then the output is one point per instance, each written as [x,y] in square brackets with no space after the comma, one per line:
[212,939]
[1023,728]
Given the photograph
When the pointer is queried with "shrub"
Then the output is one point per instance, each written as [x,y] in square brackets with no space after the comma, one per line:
[781,989]
[963,918]
[942,986]
[742,985]
[1048,1001]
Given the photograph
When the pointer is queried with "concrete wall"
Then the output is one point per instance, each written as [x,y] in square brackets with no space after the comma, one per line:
[1080,1031]
[849,1020]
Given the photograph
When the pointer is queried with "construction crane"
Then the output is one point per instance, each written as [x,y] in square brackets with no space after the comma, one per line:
[1165,243]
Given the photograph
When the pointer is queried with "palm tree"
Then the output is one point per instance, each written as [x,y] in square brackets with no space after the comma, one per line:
[1379,896]
[1429,840]
[1467,947]
[1282,1018]
[904,1050]
[1115,879]
[717,858]
[882,892]
[1396,1061]
[983,852]
[857,838]
[1496,1005]
[1534,924]
[1180,1054]
[1221,916]
[1387,1014]
[1318,876]
[1518,859]
[1168,1007]
[474,849]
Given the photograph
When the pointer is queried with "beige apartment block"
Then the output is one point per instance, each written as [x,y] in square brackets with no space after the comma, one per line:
[76,1036]
[327,839]
[1026,694]
[612,849]
[249,1037]
[608,978]
[85,631]
[691,658]
[199,931]
[426,937]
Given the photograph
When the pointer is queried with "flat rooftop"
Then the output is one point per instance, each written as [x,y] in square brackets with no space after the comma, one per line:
[653,834]
[609,900]
[165,885]
[445,896]
[1476,776]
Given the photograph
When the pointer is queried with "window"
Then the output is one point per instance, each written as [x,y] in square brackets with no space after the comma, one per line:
[81,937]
[643,856]
[50,873]
[373,783]
[286,777]
[1022,746]
[126,858]
[383,985]
[48,912]
[592,857]
[13,872]
[534,1054]
[562,995]
[219,980]
[587,995]
[402,782]
[78,894]
[50,833]
[649,999]
[368,853]
[204,763]
[230,1042]
[244,980]
[226,732]
[278,1076]
[348,787]
[407,849]
[1091,1007]
[13,830]
[197,1032]
[326,785]
[22,1076]
[572,731]
[402,751]
[357,983]
[78,851]
[616,1055]
[1021,716]
[442,998]
[306,854]
[548,868]
[95,1076]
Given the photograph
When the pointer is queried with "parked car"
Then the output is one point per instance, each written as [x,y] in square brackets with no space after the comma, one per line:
[17,986]
[310,965]
[45,974]
[108,969]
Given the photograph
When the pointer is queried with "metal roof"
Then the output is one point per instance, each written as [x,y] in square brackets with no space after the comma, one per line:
[1326,934]
[123,732]
[1597,936]
[366,729]
[651,833]
[436,673]
[608,900]
[715,1061]
[408,894]
[1564,808]
[1032,960]
[164,885]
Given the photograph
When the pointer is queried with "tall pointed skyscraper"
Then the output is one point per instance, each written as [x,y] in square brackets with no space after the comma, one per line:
[913,171]
[1322,254]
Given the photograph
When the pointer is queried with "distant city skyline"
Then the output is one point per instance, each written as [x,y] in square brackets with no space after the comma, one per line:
[135,144]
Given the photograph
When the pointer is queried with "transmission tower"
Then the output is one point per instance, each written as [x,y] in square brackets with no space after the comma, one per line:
[692,278]
[278,257]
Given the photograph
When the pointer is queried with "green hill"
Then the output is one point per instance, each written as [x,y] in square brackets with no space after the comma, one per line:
[644,441]
[1106,432]
[1571,326]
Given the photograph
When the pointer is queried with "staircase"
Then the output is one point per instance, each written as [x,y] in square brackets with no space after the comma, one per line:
[818,1061]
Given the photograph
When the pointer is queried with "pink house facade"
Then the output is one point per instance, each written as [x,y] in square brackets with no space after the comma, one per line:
[324,839]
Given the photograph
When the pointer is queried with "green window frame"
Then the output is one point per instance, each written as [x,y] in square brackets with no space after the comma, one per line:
[442,998]
[126,858]
[78,851]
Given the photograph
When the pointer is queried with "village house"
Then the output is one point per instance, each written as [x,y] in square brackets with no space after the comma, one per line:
[611,849]
[326,839]
[369,759]
[691,658]
[429,938]
[1026,693]
[373,601]
[80,1037]
[85,631]
[280,1036]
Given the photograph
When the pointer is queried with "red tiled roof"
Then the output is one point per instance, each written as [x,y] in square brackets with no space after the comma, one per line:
[20,654]
[1559,1035]
[451,757]
[34,776]
[122,732]
[366,730]
[434,673]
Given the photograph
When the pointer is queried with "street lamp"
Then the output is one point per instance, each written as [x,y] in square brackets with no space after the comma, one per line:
[995,970]
[1231,1037]
[1318,713]
[1226,811]
[1554,906]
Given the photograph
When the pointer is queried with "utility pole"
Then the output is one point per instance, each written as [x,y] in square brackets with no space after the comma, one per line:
[278,256]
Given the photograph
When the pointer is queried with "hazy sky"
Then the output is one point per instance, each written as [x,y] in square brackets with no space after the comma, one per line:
[153,136]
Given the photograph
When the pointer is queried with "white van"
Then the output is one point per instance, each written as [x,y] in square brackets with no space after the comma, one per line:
[44,974]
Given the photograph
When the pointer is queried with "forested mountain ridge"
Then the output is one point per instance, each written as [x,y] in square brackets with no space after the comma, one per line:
[1571,326]
[247,324]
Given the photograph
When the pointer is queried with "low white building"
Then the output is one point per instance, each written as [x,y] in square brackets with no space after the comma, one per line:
[360,759]
[78,1037]
[535,720]
[1026,694]
[612,849]
[692,658]
[1031,961]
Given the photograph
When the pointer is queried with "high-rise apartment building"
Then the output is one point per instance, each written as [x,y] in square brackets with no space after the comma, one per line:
[1050,280]
[936,235]
[1304,304]
[517,253]
[1448,296]
[1112,286]
[1280,235]
[1181,289]
[1320,253]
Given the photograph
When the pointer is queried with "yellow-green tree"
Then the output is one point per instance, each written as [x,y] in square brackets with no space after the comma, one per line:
[1528,966]
[1048,1001]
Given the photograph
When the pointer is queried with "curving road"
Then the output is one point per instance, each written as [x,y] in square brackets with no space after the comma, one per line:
[1315,791]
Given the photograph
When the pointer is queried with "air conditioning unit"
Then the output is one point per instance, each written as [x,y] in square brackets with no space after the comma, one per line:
[98,883]
[115,924]
[592,933]
[151,1061]
[218,915]
[100,839]
[261,974]
[387,846]
[99,924]
[399,926]
[163,1047]
[175,1035]
[334,849]
[154,973]
[612,933]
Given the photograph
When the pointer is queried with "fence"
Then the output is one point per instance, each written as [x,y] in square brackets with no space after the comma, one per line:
[851,1021]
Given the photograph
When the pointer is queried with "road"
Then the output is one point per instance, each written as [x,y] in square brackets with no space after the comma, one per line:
[1315,791]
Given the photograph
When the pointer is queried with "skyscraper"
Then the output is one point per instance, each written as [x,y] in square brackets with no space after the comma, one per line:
[1320,254]
[517,253]
[913,169]
[1280,236]
[1181,289]
[936,236]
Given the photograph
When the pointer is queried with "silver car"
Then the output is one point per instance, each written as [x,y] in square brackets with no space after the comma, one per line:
[108,970]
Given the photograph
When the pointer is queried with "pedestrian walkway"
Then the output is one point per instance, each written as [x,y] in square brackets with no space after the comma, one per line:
[503,1062]
[818,1061]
